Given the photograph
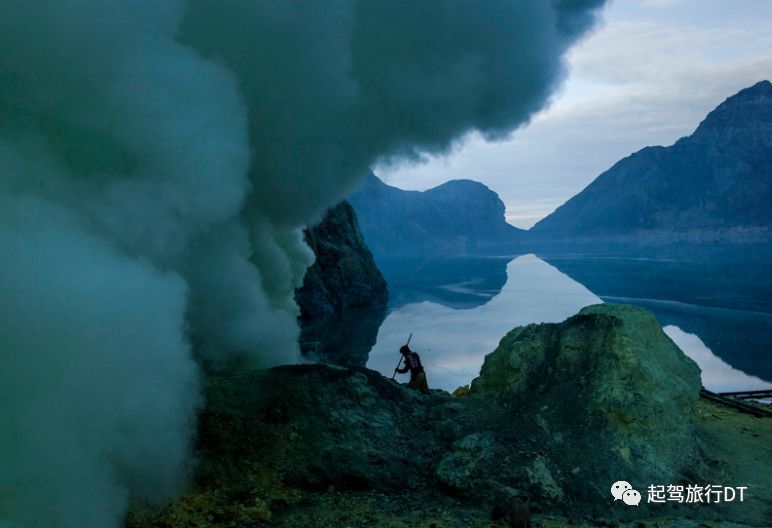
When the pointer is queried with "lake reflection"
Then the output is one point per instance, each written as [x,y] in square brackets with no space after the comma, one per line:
[453,342]
[723,295]
[457,316]
[717,375]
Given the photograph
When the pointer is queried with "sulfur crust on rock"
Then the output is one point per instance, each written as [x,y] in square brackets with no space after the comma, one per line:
[559,413]
[611,378]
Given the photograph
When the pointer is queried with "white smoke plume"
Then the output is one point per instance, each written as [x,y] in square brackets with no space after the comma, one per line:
[157,161]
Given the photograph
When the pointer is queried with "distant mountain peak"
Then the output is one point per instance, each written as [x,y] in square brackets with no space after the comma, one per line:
[457,217]
[465,186]
[463,182]
[720,177]
[746,108]
[760,88]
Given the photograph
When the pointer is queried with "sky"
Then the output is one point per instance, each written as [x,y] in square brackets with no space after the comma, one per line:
[647,76]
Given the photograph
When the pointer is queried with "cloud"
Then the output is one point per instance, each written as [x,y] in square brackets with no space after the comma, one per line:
[644,78]
[158,160]
[660,3]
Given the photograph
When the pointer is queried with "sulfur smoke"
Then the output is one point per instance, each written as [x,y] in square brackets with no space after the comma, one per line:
[157,160]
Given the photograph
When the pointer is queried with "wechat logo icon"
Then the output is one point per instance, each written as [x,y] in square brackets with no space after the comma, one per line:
[622,490]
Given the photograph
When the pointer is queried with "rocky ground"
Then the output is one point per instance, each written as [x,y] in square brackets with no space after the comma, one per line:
[558,414]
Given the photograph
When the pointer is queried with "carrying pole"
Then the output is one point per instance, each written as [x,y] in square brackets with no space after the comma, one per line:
[400,355]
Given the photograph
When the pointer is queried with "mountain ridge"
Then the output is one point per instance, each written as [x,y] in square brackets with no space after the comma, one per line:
[719,177]
[455,218]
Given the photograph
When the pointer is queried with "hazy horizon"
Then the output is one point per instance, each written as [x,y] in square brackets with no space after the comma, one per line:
[647,76]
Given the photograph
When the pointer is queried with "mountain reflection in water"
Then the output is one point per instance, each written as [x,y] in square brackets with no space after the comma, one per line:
[458,309]
[453,342]
[717,375]
[723,295]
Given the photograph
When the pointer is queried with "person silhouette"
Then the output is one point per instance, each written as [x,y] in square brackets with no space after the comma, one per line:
[417,374]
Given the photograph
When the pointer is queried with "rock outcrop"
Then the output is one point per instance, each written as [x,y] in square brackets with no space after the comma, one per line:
[456,218]
[344,296]
[607,377]
[713,185]
[344,275]
[559,413]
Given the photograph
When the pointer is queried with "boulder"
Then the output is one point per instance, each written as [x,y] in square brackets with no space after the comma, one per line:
[607,385]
